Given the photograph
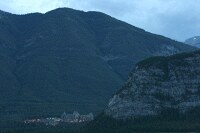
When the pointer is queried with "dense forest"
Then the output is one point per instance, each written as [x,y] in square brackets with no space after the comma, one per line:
[169,121]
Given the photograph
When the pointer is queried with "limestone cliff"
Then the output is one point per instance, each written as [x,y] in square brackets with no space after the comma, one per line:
[157,84]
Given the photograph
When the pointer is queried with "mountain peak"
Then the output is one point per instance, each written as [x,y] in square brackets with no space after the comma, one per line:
[64,10]
[194,41]
[42,55]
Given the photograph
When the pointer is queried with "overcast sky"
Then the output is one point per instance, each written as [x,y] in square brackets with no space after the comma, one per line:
[177,19]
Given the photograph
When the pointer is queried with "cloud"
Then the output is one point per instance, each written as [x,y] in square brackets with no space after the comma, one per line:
[177,19]
[29,6]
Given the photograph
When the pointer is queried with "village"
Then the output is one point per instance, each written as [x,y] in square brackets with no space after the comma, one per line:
[65,118]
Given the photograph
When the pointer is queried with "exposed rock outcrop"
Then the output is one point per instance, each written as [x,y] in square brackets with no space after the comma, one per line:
[157,84]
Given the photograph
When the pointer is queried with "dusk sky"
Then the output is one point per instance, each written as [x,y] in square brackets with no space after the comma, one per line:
[177,19]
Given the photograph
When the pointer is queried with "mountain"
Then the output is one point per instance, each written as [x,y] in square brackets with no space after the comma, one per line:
[162,94]
[194,41]
[157,84]
[66,60]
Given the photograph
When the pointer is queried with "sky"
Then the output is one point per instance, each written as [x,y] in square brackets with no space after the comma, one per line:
[176,19]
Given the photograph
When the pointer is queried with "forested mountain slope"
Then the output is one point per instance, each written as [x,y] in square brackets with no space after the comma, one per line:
[66,60]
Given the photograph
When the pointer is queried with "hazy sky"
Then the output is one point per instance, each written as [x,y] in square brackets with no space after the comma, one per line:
[177,19]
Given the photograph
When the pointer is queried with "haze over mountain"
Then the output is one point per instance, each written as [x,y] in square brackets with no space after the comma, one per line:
[67,60]
[194,41]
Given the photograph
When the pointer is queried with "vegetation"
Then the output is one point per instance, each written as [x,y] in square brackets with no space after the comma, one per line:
[162,97]
[161,61]
[67,60]
[22,128]
[169,121]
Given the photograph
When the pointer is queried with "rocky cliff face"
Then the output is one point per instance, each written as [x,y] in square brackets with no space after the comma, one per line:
[157,84]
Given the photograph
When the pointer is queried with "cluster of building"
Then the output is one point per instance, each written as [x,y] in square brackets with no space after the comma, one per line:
[65,118]
[76,117]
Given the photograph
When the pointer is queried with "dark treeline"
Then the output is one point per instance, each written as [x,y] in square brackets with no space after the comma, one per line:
[169,121]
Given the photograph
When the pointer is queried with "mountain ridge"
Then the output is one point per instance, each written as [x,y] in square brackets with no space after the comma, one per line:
[194,41]
[68,56]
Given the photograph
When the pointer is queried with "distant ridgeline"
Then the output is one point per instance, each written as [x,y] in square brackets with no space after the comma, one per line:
[194,41]
[65,118]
